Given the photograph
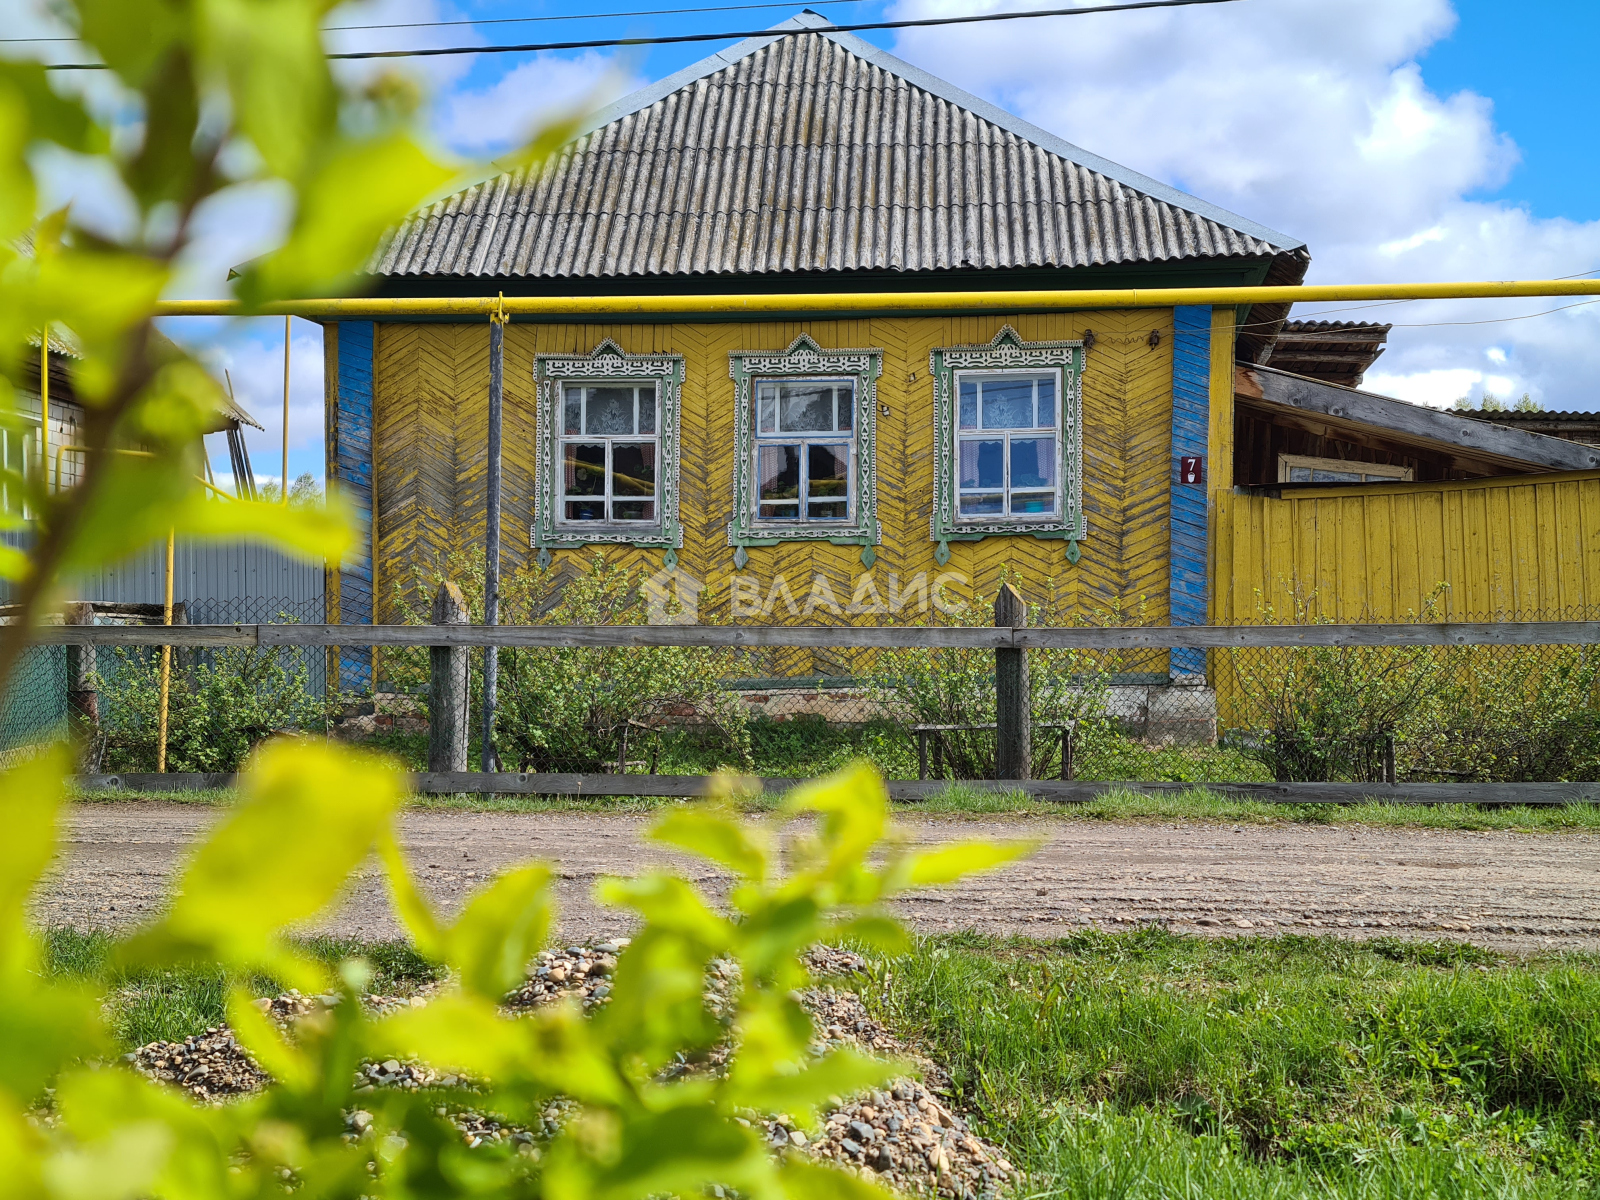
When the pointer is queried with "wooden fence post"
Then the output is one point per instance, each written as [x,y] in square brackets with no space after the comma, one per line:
[447,687]
[1013,749]
[83,702]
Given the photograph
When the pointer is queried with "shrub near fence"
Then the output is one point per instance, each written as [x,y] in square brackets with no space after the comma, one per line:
[1346,705]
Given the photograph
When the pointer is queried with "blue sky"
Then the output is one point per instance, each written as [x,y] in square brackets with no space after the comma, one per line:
[1403,139]
[1536,61]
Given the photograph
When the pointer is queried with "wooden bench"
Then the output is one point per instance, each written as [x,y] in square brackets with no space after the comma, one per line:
[923,732]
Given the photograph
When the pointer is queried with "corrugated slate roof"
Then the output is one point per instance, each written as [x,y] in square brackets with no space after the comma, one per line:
[812,150]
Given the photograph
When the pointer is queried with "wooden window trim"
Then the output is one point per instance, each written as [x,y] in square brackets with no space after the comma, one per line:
[1008,353]
[606,363]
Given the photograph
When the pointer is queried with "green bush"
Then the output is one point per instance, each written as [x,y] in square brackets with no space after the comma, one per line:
[218,710]
[647,1116]
[569,708]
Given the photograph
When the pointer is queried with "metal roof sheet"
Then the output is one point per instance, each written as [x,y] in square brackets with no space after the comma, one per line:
[811,150]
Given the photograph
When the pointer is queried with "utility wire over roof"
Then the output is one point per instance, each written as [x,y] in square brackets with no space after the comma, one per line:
[810,150]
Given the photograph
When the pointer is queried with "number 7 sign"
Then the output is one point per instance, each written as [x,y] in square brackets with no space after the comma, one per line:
[1191,469]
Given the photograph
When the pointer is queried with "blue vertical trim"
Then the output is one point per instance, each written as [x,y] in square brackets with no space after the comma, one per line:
[1191,417]
[354,468]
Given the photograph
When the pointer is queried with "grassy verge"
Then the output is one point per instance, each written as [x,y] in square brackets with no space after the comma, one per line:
[1121,804]
[1152,1065]
[149,1006]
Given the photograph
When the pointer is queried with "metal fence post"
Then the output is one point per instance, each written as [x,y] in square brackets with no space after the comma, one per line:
[447,687]
[491,531]
[1013,750]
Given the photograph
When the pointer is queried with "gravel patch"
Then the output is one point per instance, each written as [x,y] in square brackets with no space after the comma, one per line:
[905,1135]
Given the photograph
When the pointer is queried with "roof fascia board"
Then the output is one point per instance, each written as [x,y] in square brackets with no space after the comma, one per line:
[1410,420]
[808,21]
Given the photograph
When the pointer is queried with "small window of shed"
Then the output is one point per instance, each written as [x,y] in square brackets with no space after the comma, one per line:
[1298,468]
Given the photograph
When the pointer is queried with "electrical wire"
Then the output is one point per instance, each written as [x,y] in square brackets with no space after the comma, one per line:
[648,12]
[678,39]
[1346,335]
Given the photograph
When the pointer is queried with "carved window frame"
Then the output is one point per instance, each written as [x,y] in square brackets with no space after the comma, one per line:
[607,363]
[805,359]
[1007,352]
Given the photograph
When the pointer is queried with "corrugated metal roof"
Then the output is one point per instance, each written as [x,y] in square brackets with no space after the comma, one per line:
[812,150]
[1360,327]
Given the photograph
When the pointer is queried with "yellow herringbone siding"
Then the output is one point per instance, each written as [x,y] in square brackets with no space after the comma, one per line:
[431,394]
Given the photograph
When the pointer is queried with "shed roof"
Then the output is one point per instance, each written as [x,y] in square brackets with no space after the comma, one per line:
[1338,405]
[812,150]
[1334,351]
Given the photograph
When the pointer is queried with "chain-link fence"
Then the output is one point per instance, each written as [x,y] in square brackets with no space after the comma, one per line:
[221,700]
[1474,713]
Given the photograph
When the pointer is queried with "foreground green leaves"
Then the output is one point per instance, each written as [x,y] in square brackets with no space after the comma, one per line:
[651,1116]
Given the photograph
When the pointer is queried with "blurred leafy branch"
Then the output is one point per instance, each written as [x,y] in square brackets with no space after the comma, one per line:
[202,97]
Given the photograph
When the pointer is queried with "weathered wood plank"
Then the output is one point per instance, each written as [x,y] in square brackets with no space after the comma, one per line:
[1074,791]
[1412,420]
[158,635]
[1516,633]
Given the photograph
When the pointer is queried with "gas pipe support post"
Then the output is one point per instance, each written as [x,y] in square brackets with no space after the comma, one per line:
[448,726]
[491,533]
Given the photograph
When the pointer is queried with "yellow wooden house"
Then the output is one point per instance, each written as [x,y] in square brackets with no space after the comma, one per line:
[805,467]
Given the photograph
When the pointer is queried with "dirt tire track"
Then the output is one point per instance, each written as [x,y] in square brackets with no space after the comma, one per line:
[1515,891]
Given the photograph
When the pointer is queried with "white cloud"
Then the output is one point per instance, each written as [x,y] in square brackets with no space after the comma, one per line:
[492,119]
[1436,389]
[1317,120]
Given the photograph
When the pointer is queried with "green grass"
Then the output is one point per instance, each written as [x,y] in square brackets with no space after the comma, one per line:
[1147,1064]
[1121,804]
[169,1005]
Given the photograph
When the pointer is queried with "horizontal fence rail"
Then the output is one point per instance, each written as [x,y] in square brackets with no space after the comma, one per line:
[1200,637]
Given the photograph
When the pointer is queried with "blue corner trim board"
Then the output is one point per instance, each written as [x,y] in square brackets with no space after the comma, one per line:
[1191,415]
[354,468]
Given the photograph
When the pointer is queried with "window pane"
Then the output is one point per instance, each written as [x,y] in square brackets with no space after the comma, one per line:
[769,407]
[1047,404]
[779,512]
[633,510]
[633,469]
[586,510]
[574,407]
[778,470]
[610,410]
[1033,502]
[647,410]
[828,470]
[978,505]
[1320,476]
[983,464]
[585,469]
[1008,404]
[828,478]
[1299,474]
[845,397]
[1033,462]
[969,406]
[805,407]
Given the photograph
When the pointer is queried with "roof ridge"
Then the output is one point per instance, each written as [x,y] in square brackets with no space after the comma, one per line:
[807,21]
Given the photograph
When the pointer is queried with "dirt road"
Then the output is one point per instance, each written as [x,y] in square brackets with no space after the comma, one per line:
[1504,890]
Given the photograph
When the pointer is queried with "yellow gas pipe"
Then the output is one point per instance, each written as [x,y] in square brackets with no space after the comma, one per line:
[833,302]
[44,409]
[166,666]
